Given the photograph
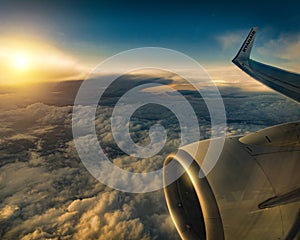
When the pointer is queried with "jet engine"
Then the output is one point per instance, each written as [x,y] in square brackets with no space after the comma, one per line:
[253,191]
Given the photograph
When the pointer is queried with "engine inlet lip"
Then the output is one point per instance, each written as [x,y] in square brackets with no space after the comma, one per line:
[205,199]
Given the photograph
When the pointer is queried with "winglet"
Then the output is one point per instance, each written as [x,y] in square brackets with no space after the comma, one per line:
[245,51]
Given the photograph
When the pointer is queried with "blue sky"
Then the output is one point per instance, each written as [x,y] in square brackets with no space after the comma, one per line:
[209,31]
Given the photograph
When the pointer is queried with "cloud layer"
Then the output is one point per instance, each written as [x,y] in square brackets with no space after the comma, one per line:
[46,192]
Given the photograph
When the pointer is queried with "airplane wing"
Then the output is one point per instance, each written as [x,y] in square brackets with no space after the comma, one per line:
[282,81]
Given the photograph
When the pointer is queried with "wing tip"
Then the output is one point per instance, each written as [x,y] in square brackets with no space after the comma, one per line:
[245,50]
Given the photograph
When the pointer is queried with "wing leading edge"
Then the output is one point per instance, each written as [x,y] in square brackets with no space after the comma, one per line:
[282,81]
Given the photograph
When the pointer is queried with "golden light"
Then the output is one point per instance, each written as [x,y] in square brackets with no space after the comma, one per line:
[28,60]
[20,62]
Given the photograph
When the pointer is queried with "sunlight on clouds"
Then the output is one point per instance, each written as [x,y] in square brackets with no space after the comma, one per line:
[231,76]
[220,75]
[7,211]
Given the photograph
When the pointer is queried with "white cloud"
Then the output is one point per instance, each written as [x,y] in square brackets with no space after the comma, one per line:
[285,48]
[282,47]
[231,40]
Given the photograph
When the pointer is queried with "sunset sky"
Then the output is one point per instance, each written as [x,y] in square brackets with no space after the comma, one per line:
[62,40]
[45,46]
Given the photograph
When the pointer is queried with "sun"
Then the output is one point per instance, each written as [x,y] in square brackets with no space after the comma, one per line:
[20,61]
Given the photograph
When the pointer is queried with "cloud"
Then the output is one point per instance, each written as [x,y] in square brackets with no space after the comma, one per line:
[231,40]
[232,76]
[7,211]
[46,192]
[55,196]
[286,47]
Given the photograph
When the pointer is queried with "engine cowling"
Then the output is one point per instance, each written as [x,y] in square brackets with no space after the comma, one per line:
[252,192]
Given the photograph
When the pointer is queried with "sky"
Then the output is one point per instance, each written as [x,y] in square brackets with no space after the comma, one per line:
[65,39]
[46,192]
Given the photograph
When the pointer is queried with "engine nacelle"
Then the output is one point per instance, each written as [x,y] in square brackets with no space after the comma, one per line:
[253,191]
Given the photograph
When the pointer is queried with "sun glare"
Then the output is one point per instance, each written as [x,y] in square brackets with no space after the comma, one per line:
[25,61]
[20,62]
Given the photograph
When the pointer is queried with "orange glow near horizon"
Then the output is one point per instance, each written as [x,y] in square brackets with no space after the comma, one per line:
[25,61]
